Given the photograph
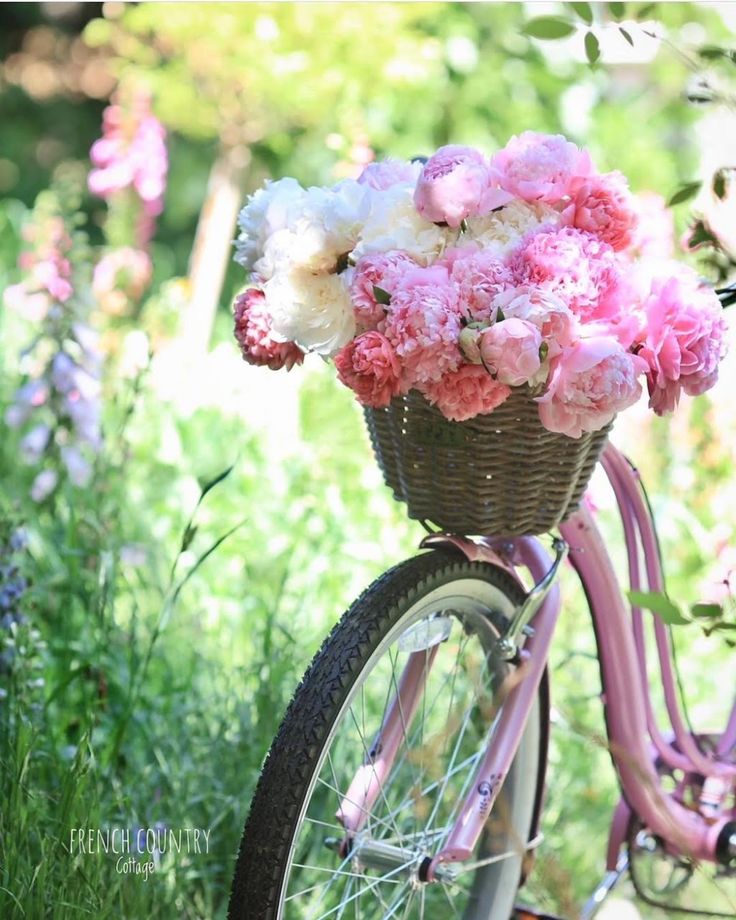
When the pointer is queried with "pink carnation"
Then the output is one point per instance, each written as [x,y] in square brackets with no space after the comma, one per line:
[480,276]
[382,270]
[423,325]
[466,392]
[455,184]
[575,265]
[369,366]
[541,167]
[386,173]
[544,309]
[510,351]
[254,335]
[591,381]
[603,205]
[684,340]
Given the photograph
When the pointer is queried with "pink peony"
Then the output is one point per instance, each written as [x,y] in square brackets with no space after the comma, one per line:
[575,265]
[654,236]
[683,340]
[480,275]
[386,173]
[254,335]
[465,393]
[423,325]
[603,205]
[369,366]
[542,308]
[541,167]
[455,184]
[590,382]
[510,351]
[382,270]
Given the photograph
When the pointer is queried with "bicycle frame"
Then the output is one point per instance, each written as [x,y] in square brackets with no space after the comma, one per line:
[637,744]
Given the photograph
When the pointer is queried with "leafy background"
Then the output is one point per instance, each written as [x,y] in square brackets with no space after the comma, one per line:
[149,675]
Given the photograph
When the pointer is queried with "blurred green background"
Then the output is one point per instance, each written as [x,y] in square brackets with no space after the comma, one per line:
[152,663]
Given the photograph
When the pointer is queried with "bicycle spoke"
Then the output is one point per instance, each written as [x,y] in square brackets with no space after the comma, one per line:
[440,796]
[357,804]
[370,887]
[368,760]
[396,903]
[432,786]
[449,900]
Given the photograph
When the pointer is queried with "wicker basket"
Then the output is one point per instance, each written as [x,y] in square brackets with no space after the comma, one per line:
[502,474]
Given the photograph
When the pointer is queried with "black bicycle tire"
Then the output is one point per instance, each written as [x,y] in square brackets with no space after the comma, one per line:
[295,751]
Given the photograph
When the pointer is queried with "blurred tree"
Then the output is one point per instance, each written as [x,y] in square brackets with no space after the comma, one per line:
[313,88]
[256,75]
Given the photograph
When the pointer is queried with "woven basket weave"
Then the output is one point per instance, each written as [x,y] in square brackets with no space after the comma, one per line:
[502,474]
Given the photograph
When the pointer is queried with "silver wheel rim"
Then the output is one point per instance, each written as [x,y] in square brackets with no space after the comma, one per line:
[339,888]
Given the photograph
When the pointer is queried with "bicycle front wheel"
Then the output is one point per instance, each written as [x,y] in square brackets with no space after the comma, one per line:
[296,861]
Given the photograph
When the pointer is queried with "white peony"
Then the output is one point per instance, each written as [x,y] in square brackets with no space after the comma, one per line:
[268,210]
[315,311]
[393,222]
[323,226]
[506,227]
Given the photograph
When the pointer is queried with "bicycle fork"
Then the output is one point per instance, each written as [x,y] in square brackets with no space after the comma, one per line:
[542,605]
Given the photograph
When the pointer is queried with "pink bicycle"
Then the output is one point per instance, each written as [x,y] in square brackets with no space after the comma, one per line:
[407,777]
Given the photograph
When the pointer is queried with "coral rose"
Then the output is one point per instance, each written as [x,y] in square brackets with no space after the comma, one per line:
[466,392]
[369,366]
[603,205]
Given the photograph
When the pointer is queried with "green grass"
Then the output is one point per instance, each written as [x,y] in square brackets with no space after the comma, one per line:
[166,667]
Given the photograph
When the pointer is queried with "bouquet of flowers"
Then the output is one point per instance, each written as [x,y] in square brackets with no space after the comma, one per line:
[466,277]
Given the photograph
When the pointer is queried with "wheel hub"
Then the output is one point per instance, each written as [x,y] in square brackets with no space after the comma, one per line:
[405,862]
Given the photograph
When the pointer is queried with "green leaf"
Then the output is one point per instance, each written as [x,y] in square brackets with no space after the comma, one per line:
[188,536]
[706,610]
[719,184]
[500,316]
[645,10]
[713,52]
[548,27]
[584,11]
[592,47]
[684,193]
[208,486]
[617,10]
[700,235]
[626,35]
[660,604]
[382,297]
